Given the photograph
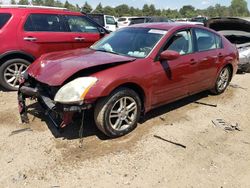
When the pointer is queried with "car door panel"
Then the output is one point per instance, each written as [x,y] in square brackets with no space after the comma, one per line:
[208,51]
[173,77]
[83,33]
[172,80]
[37,40]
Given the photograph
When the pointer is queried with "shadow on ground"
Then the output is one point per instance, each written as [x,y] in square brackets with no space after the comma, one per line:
[89,128]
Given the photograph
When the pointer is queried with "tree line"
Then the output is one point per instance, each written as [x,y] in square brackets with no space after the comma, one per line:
[238,8]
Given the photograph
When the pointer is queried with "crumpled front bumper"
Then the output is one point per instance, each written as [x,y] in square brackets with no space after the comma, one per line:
[59,114]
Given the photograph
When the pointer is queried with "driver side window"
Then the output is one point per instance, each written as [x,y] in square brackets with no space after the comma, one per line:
[181,42]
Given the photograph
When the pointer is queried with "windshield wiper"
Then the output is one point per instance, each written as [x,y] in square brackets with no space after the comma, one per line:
[103,50]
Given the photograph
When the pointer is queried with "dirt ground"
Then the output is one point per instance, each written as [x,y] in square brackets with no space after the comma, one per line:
[213,157]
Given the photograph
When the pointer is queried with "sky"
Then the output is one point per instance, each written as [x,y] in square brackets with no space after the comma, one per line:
[172,4]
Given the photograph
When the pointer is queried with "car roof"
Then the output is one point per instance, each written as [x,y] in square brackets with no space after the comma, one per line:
[166,25]
[36,9]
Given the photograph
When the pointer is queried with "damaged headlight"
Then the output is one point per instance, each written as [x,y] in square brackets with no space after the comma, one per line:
[75,91]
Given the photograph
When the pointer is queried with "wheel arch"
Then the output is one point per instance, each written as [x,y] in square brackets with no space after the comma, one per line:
[138,89]
[231,69]
[16,54]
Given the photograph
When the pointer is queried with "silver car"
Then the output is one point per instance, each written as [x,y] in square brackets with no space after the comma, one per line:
[237,31]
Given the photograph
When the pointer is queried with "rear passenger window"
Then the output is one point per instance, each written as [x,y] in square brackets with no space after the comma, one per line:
[207,40]
[80,24]
[44,23]
[4,17]
[218,41]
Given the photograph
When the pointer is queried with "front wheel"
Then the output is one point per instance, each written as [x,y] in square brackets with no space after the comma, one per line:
[222,81]
[10,72]
[118,114]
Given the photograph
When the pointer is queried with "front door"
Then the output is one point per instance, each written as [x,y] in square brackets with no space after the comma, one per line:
[83,32]
[173,77]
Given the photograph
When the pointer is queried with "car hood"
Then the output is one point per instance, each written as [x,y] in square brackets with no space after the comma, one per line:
[55,68]
[236,30]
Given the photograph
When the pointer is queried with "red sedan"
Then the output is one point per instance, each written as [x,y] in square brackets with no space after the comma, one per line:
[128,73]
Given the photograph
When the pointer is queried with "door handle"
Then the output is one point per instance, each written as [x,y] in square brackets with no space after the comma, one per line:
[193,62]
[220,55]
[204,59]
[79,38]
[30,39]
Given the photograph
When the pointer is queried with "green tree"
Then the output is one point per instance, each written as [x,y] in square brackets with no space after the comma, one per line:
[78,8]
[57,3]
[109,10]
[187,11]
[99,8]
[138,12]
[145,10]
[122,10]
[86,8]
[66,4]
[37,2]
[239,8]
[13,2]
[69,6]
[50,3]
[23,2]
[151,10]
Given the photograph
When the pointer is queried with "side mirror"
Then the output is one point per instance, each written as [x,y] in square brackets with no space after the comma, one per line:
[169,55]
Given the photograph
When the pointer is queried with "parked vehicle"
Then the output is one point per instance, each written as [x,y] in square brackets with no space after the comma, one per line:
[237,31]
[200,19]
[149,19]
[27,32]
[128,73]
[107,21]
[124,21]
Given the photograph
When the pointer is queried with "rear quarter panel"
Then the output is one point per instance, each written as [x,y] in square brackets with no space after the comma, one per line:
[8,33]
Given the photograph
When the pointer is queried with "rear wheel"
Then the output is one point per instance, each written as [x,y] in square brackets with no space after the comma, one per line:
[222,81]
[118,114]
[10,73]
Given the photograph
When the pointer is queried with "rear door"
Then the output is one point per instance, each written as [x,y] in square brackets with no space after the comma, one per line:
[208,52]
[42,33]
[82,31]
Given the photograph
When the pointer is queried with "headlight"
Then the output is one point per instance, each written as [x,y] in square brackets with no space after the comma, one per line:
[75,91]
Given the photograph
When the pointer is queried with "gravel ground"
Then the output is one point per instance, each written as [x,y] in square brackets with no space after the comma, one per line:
[212,157]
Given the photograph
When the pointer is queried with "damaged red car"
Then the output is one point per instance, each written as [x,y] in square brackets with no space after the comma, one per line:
[128,73]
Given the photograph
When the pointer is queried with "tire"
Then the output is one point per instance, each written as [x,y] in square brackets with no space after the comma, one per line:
[247,69]
[122,121]
[10,72]
[222,81]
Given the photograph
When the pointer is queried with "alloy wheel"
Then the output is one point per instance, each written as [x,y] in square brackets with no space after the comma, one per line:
[123,113]
[13,73]
[223,79]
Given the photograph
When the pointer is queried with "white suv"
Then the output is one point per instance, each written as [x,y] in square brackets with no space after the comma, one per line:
[107,21]
[124,21]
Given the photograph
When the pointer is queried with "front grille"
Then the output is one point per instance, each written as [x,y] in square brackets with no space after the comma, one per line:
[43,89]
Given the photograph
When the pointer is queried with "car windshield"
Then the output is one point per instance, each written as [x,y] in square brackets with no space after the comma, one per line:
[135,42]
